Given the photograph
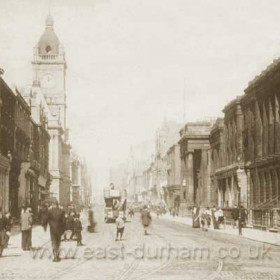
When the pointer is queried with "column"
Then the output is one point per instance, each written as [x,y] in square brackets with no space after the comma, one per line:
[276,126]
[250,187]
[190,182]
[278,186]
[265,129]
[260,184]
[238,136]
[270,128]
[1,188]
[258,131]
[274,182]
[7,190]
[219,193]
[252,140]
[231,201]
[268,185]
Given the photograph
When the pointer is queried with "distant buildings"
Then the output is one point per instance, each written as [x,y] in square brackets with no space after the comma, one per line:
[233,160]
[81,192]
[173,194]
[128,176]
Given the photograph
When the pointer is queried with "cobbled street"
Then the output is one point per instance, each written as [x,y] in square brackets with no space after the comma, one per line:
[170,251]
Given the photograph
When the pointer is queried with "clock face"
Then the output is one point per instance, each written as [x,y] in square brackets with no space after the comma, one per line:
[48,81]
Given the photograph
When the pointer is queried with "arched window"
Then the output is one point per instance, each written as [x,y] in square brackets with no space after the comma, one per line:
[48,49]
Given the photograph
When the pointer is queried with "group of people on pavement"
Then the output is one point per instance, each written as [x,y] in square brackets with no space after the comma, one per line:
[62,222]
[73,227]
[203,217]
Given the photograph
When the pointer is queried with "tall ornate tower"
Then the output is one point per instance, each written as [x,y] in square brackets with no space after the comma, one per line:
[49,71]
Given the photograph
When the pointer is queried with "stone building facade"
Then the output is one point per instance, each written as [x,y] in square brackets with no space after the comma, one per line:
[23,146]
[38,164]
[174,177]
[165,137]
[81,184]
[228,174]
[217,157]
[7,102]
[147,185]
[260,106]
[195,164]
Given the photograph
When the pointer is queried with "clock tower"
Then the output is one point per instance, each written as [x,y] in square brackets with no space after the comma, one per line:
[49,70]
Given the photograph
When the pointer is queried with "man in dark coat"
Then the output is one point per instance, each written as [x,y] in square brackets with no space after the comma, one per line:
[235,215]
[146,219]
[55,217]
[242,219]
[91,225]
[2,232]
[8,227]
[78,229]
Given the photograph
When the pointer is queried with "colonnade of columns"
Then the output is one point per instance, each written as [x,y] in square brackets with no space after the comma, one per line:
[263,126]
[265,187]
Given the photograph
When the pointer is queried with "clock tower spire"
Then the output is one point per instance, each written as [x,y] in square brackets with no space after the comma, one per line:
[49,70]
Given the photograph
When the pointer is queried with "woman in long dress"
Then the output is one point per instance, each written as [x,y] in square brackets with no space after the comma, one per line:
[91,225]
[146,219]
[195,217]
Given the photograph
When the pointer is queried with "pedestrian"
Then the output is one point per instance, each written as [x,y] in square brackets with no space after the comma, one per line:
[146,219]
[131,212]
[71,218]
[29,241]
[204,219]
[8,227]
[242,219]
[235,215]
[209,214]
[43,210]
[158,212]
[78,229]
[195,217]
[67,228]
[91,225]
[214,220]
[55,217]
[219,215]
[120,227]
[173,212]
[2,232]
[26,224]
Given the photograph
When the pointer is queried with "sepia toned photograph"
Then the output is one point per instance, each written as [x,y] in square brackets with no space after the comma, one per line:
[139,140]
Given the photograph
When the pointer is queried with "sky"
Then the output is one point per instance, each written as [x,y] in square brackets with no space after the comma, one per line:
[130,62]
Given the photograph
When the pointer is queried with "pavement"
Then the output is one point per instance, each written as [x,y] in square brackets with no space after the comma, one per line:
[271,238]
